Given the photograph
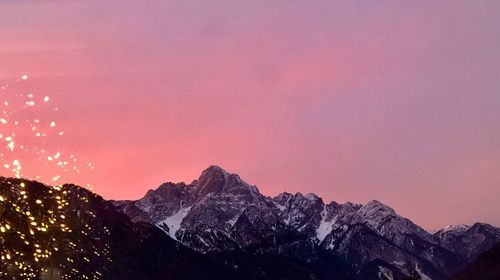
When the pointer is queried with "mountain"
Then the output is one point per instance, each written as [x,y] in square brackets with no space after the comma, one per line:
[219,213]
[67,232]
[220,227]
[468,241]
[485,267]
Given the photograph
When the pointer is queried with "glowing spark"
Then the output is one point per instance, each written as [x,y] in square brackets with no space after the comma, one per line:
[21,114]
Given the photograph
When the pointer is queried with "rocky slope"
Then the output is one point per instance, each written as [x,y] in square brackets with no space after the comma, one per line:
[68,232]
[220,213]
[485,267]
[468,241]
[220,227]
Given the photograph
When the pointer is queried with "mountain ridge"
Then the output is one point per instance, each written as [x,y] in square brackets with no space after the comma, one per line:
[221,213]
[222,227]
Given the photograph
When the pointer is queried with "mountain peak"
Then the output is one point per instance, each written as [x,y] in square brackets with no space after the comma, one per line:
[211,180]
[457,228]
[376,208]
[214,180]
[312,196]
[213,170]
[377,204]
[220,212]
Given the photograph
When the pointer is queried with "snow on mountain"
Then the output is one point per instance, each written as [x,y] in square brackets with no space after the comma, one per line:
[303,213]
[384,272]
[172,224]
[325,227]
[468,241]
[220,212]
[455,228]
[87,238]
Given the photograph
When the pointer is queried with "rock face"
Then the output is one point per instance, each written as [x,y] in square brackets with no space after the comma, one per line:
[468,241]
[219,227]
[485,267]
[220,213]
[70,233]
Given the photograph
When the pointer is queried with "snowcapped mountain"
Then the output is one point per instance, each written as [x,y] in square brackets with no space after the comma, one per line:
[220,227]
[468,241]
[220,213]
[67,232]
[394,239]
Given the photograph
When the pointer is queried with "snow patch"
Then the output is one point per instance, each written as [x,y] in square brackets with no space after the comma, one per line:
[459,228]
[233,220]
[399,264]
[203,241]
[282,208]
[325,227]
[174,222]
[387,273]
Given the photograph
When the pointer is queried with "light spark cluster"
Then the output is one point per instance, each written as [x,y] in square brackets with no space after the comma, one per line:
[41,236]
[27,133]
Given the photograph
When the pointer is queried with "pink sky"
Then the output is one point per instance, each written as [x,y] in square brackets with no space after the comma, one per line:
[351,100]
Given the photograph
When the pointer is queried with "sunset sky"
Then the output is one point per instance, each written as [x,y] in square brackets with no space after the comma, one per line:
[353,100]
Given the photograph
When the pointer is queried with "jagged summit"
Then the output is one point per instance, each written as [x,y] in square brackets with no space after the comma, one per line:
[79,235]
[375,207]
[219,212]
[211,180]
[297,229]
[312,196]
[215,180]
[213,170]
[458,238]
[456,228]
